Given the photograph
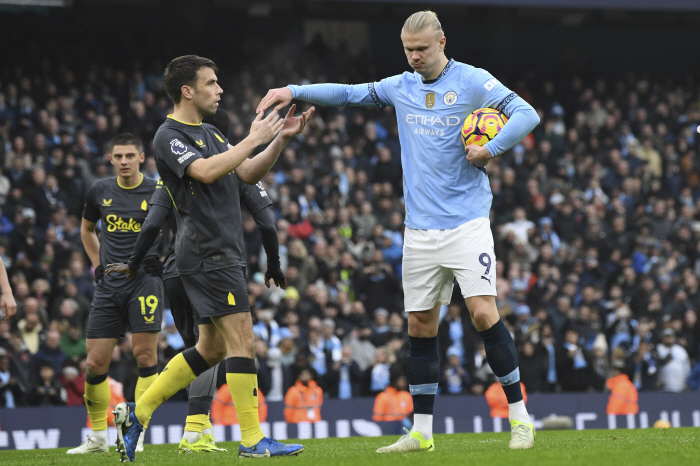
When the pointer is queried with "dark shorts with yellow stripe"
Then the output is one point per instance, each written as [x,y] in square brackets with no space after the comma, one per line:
[137,307]
[216,293]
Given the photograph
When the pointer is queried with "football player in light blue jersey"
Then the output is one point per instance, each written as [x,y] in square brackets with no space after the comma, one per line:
[448,199]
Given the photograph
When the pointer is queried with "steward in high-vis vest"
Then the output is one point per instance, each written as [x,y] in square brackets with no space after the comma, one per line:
[623,393]
[394,403]
[224,413]
[303,400]
[496,398]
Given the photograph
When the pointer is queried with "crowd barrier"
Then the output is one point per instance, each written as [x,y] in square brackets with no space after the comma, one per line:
[55,427]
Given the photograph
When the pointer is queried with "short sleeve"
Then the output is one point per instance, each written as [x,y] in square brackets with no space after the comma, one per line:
[254,197]
[91,211]
[161,196]
[171,149]
[489,92]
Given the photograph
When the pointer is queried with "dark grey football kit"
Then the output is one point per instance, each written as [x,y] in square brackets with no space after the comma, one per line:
[120,304]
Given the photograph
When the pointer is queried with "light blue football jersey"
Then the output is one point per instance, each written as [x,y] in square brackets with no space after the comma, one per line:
[442,190]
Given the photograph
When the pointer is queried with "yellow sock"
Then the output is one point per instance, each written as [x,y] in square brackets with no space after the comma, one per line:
[176,376]
[142,385]
[244,393]
[196,423]
[97,402]
[207,423]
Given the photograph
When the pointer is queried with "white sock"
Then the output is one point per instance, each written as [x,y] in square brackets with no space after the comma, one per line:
[100,435]
[192,437]
[518,412]
[423,423]
[209,431]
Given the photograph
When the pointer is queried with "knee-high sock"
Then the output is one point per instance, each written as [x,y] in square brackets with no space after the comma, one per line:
[242,380]
[201,394]
[503,359]
[180,371]
[423,372]
[147,375]
[97,396]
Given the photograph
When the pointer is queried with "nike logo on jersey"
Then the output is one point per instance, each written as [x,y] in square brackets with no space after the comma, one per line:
[487,279]
[106,203]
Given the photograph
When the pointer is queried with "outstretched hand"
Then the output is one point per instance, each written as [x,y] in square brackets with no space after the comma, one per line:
[121,268]
[281,96]
[295,125]
[264,130]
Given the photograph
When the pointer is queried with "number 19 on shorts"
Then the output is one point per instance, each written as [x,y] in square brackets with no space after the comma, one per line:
[152,303]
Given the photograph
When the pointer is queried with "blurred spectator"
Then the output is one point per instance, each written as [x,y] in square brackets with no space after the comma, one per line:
[454,378]
[674,365]
[11,389]
[51,352]
[533,362]
[48,392]
[73,341]
[394,403]
[345,377]
[73,380]
[303,400]
[574,368]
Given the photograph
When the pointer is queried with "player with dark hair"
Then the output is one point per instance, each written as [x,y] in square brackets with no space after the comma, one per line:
[198,435]
[196,166]
[448,199]
[120,203]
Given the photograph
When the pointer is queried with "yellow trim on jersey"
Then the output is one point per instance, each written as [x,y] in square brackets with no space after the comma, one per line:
[132,187]
[171,198]
[191,124]
[219,137]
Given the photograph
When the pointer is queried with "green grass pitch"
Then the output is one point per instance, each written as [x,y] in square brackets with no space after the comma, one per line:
[590,447]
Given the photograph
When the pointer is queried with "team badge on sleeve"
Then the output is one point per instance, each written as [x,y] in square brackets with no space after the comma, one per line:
[450,98]
[177,147]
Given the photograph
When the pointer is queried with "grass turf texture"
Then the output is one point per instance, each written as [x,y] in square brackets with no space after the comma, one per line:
[589,447]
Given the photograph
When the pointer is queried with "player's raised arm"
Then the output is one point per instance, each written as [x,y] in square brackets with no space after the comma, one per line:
[253,170]
[331,95]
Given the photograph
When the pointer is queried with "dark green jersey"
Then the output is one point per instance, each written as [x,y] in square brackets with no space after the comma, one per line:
[210,230]
[121,212]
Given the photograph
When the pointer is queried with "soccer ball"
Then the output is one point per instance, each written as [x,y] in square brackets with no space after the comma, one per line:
[661,424]
[482,125]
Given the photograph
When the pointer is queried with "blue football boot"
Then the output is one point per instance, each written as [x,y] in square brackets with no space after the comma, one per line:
[269,447]
[128,430]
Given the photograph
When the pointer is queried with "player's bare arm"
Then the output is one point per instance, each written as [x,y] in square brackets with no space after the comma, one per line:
[281,97]
[7,301]
[90,241]
[253,170]
[122,268]
[262,131]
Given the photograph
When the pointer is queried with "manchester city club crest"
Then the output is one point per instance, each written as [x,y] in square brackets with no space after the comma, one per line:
[430,100]
[450,98]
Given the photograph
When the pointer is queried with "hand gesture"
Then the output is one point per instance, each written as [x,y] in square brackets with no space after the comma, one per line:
[281,96]
[8,304]
[121,268]
[478,156]
[264,130]
[295,125]
[275,273]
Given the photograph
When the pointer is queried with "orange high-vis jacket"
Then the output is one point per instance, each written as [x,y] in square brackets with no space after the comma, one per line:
[623,396]
[303,404]
[496,398]
[116,397]
[392,405]
[223,412]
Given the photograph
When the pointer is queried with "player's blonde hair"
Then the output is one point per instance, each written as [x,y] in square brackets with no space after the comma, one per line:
[420,21]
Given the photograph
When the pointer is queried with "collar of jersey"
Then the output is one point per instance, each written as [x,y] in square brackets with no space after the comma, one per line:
[132,187]
[184,123]
[436,80]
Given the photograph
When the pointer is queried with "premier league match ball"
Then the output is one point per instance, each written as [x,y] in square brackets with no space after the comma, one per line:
[482,125]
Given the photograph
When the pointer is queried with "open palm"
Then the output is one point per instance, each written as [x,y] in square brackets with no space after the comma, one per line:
[295,125]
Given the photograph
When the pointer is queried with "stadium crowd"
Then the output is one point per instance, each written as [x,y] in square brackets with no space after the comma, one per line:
[596,217]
